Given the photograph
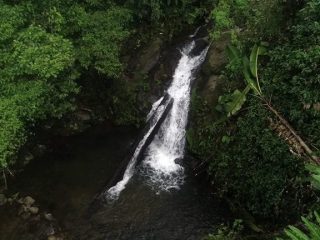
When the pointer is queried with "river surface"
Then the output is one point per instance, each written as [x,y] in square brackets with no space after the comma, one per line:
[66,181]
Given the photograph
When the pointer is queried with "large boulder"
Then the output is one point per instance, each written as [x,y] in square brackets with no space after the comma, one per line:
[217,58]
[150,56]
[213,89]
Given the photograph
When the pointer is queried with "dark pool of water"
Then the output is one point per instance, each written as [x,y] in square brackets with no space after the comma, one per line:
[66,181]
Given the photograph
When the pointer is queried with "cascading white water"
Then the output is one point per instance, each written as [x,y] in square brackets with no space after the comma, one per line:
[160,163]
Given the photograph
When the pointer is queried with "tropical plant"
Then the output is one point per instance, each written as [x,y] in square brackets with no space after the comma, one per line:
[310,231]
[251,77]
[232,103]
[314,171]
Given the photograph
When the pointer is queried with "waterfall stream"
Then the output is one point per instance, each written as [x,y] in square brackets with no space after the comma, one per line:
[161,158]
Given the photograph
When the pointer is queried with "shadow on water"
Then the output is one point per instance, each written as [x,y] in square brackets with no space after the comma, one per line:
[142,213]
[66,181]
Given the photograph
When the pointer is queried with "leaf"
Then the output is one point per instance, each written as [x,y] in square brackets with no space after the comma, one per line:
[315,175]
[317,217]
[296,234]
[233,53]
[254,60]
[247,75]
[255,53]
[235,102]
[313,228]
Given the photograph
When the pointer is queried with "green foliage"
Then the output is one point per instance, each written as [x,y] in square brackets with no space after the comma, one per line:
[101,42]
[123,104]
[292,76]
[36,79]
[258,165]
[169,13]
[232,103]
[251,19]
[11,18]
[221,16]
[248,163]
[315,175]
[310,231]
[37,53]
[227,233]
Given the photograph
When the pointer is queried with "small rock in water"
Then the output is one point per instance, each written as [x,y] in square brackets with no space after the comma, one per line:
[25,215]
[50,231]
[28,201]
[22,210]
[34,210]
[48,216]
[3,199]
[28,158]
[10,200]
[178,161]
[15,196]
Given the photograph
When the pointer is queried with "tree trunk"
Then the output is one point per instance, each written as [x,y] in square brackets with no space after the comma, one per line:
[306,148]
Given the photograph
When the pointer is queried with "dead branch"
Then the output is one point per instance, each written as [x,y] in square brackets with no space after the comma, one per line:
[306,148]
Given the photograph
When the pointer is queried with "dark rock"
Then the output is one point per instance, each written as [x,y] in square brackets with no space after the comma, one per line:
[39,150]
[212,89]
[49,217]
[15,196]
[216,58]
[33,210]
[150,56]
[22,210]
[28,201]
[83,115]
[201,44]
[178,161]
[25,215]
[3,199]
[28,158]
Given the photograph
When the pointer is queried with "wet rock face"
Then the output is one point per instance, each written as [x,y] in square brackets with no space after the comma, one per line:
[201,44]
[3,199]
[150,56]
[217,57]
[211,81]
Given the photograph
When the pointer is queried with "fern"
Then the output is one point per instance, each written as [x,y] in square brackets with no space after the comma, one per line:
[309,231]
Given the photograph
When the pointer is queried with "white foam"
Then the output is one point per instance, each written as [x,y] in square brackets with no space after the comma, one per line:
[160,165]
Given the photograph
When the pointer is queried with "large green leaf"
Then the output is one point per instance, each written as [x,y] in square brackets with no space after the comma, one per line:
[313,228]
[233,53]
[315,175]
[255,52]
[232,103]
[296,233]
[248,77]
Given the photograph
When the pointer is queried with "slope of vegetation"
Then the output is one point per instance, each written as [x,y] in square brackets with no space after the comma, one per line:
[253,159]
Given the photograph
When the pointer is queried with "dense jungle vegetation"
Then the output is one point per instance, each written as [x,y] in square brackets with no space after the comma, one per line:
[248,144]
[254,159]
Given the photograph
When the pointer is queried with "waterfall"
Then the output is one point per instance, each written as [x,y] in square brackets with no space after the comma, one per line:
[160,164]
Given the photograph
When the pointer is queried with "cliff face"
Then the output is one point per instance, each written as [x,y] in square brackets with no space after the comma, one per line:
[211,80]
